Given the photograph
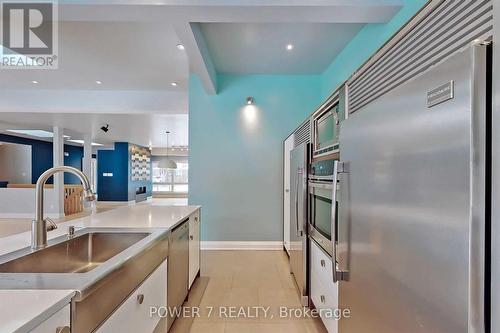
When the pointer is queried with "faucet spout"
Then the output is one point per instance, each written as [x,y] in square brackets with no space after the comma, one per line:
[39,224]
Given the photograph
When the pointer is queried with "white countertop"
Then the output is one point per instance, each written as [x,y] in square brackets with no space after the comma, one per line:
[145,215]
[21,309]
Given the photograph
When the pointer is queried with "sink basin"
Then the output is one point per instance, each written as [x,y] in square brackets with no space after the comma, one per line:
[76,255]
[102,265]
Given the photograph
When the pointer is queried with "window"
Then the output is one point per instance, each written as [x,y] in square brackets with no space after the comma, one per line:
[170,180]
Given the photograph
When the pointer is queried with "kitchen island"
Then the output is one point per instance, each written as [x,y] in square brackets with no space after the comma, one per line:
[155,221]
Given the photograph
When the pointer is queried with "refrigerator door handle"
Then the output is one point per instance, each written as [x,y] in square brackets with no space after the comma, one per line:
[303,217]
[298,231]
[338,275]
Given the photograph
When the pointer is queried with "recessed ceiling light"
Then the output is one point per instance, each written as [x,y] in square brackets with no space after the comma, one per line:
[180,47]
[34,82]
[98,82]
[289,47]
[174,84]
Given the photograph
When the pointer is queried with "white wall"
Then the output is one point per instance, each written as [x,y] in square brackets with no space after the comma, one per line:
[15,163]
[20,203]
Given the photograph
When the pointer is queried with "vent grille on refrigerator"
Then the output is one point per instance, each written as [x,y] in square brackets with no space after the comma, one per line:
[450,27]
[302,134]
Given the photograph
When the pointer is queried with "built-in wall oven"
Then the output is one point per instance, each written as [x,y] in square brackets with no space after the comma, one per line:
[322,212]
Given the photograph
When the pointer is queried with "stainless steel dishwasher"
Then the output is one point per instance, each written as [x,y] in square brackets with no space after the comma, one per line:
[178,269]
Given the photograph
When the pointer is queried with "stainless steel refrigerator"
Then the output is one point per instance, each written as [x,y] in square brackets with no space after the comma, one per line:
[413,228]
[298,218]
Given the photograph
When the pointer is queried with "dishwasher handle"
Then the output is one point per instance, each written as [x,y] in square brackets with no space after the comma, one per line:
[183,224]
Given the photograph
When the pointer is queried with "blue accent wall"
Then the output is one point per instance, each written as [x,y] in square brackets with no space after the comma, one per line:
[235,151]
[363,46]
[42,157]
[119,187]
[114,161]
[74,159]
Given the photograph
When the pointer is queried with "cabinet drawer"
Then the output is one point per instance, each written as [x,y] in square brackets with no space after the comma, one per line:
[133,314]
[325,297]
[324,293]
[321,263]
[58,321]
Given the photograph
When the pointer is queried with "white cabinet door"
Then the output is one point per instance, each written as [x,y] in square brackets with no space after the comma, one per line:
[58,322]
[134,314]
[194,246]
[324,293]
[287,147]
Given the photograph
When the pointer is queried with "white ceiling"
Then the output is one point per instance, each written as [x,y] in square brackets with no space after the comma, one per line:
[123,55]
[130,45]
[260,48]
[141,129]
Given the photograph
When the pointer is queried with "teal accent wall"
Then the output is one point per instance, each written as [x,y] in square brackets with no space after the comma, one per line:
[363,46]
[235,163]
[235,152]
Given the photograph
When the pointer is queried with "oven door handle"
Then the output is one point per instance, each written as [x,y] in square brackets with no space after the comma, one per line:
[338,275]
[332,221]
[326,186]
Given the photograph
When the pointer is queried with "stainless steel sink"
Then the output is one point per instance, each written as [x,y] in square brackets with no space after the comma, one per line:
[77,255]
[102,265]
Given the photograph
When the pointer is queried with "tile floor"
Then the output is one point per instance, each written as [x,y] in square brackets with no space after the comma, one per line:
[236,279]
[244,279]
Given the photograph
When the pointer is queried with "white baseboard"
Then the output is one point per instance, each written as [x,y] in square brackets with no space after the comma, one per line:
[232,245]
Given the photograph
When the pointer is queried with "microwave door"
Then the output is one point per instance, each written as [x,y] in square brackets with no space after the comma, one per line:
[324,131]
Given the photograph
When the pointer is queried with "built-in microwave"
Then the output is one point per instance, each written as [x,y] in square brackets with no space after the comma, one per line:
[322,214]
[326,130]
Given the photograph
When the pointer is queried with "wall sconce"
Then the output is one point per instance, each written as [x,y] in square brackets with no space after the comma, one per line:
[249,100]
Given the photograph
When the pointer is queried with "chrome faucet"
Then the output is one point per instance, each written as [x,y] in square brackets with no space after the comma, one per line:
[39,224]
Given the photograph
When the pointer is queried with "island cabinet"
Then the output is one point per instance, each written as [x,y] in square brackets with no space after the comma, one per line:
[142,311]
[194,246]
[58,322]
[324,292]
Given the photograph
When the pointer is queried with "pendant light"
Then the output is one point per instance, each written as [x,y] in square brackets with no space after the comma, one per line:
[165,162]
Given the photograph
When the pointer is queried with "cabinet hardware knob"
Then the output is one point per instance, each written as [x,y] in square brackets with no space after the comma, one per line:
[140,298]
[322,263]
[191,237]
[196,218]
[63,329]
[322,298]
